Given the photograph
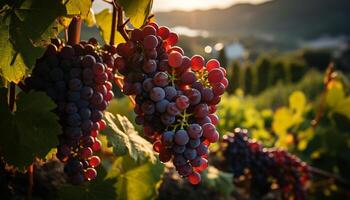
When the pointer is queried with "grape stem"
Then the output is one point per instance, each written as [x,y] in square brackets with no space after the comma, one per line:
[328,79]
[23,87]
[74,29]
[120,24]
[114,24]
[12,96]
[329,175]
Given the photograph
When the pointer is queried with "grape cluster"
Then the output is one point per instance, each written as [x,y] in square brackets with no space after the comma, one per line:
[267,168]
[176,96]
[77,79]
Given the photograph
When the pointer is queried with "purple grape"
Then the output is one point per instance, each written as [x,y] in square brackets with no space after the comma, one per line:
[167,138]
[170,92]
[181,137]
[190,154]
[194,131]
[161,79]
[157,94]
[172,109]
[162,105]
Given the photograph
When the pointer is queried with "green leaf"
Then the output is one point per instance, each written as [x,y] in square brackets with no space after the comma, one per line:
[135,181]
[38,18]
[343,107]
[11,63]
[23,30]
[125,140]
[100,188]
[218,180]
[334,96]
[90,19]
[137,11]
[104,21]
[31,131]
[79,7]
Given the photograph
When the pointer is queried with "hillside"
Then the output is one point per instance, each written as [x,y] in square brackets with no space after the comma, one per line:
[278,19]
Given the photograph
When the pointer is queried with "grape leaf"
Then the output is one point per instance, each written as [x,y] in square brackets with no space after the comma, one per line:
[78,7]
[137,11]
[33,128]
[125,140]
[218,180]
[136,181]
[11,63]
[104,21]
[297,101]
[101,188]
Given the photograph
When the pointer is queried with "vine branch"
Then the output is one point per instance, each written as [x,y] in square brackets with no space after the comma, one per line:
[329,175]
[114,24]
[120,23]
[12,96]
[327,80]
[74,30]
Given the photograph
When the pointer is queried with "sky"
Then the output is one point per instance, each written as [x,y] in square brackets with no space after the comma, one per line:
[187,5]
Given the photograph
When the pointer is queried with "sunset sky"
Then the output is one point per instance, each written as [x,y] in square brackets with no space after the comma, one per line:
[168,5]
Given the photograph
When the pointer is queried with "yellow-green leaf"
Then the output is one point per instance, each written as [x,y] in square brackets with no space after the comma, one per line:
[297,101]
[104,21]
[334,96]
[137,11]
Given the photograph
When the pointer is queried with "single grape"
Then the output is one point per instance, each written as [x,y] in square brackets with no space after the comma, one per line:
[94,161]
[75,84]
[85,113]
[163,32]
[88,61]
[172,38]
[182,102]
[150,66]
[215,76]
[98,68]
[170,92]
[201,110]
[157,94]
[197,62]
[161,79]
[90,174]
[194,131]
[162,105]
[194,178]
[172,109]
[212,64]
[188,77]
[175,59]
[207,94]
[190,153]
[194,96]
[167,138]
[150,42]
[185,170]
[181,137]
[202,150]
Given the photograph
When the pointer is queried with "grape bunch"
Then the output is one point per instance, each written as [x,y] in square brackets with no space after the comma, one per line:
[266,168]
[77,78]
[176,96]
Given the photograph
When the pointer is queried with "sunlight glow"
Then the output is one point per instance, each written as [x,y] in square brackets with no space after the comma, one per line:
[188,5]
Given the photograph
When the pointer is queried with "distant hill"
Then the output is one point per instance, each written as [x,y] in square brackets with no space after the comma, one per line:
[277,19]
